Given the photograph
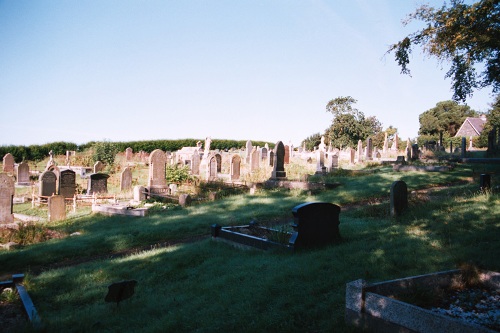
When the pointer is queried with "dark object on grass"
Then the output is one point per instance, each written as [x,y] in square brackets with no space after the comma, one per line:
[120,291]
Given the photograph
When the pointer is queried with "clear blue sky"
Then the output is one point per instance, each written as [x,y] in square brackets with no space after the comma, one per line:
[83,70]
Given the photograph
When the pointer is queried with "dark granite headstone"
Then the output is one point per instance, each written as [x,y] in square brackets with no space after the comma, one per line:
[98,183]
[316,224]
[67,183]
[399,197]
[485,181]
[279,161]
[120,291]
[47,184]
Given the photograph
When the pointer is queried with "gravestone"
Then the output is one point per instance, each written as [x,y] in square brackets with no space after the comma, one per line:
[23,174]
[129,154]
[248,151]
[57,208]
[400,160]
[369,149]
[48,186]
[386,144]
[98,166]
[316,224]
[414,151]
[126,179]
[120,291]
[398,198]
[263,153]
[195,163]
[279,162]
[139,194]
[352,153]
[395,143]
[184,200]
[286,159]
[157,168]
[254,160]
[360,151]
[271,158]
[218,159]
[67,183]
[7,190]
[8,163]
[235,167]
[173,189]
[464,144]
[212,168]
[98,183]
[320,162]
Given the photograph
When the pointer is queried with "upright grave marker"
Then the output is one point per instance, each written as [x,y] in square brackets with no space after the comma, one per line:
[98,166]
[8,163]
[7,190]
[254,159]
[47,185]
[235,167]
[279,162]
[157,161]
[126,179]
[98,183]
[129,154]
[23,174]
[399,198]
[248,151]
[57,208]
[67,183]
[286,159]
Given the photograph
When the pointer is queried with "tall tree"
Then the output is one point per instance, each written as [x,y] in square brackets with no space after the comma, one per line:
[464,35]
[444,119]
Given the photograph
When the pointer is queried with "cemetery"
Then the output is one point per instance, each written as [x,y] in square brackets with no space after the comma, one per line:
[279,237]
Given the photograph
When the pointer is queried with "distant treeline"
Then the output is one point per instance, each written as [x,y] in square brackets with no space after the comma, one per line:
[39,152]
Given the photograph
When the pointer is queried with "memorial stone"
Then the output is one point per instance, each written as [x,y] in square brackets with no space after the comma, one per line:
[464,141]
[352,154]
[129,154]
[286,159]
[212,169]
[184,200]
[126,179]
[248,151]
[23,174]
[57,208]
[235,167]
[48,186]
[360,151]
[398,198]
[279,162]
[98,183]
[139,193]
[195,163]
[7,190]
[263,153]
[67,183]
[157,168]
[8,163]
[316,224]
[98,166]
[369,149]
[254,160]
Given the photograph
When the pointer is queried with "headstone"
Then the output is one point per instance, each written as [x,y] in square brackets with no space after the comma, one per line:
[360,151]
[235,167]
[218,159]
[8,163]
[98,166]
[248,151]
[286,160]
[352,156]
[395,143]
[212,168]
[279,162]
[400,160]
[271,158]
[57,208]
[126,179]
[23,174]
[485,182]
[263,153]
[254,160]
[48,181]
[369,149]
[67,183]
[320,161]
[316,224]
[195,163]
[464,145]
[120,291]
[157,168]
[414,151]
[398,198]
[7,190]
[184,200]
[98,183]
[139,194]
[386,144]
[173,189]
[129,154]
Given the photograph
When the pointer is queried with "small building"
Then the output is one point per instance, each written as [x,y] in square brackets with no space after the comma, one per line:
[471,127]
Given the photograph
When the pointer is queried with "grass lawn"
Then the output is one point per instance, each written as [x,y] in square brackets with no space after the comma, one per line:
[209,286]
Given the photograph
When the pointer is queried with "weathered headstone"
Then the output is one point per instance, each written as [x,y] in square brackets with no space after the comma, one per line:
[195,163]
[398,198]
[129,154]
[98,166]
[98,183]
[67,183]
[126,179]
[414,151]
[316,224]
[352,155]
[254,160]
[360,151]
[157,168]
[263,153]
[286,159]
[57,208]
[369,149]
[139,194]
[23,174]
[184,200]
[235,167]
[271,158]
[212,169]
[320,162]
[7,190]
[464,145]
[248,151]
[279,162]
[8,163]
[395,143]
[386,144]
[47,185]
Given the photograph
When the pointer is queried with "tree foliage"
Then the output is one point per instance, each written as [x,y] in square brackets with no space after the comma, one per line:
[104,151]
[349,124]
[446,118]
[311,141]
[465,36]
[492,122]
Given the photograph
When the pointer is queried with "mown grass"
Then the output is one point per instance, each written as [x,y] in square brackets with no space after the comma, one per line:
[209,286]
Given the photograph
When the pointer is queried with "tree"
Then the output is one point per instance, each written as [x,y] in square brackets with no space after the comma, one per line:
[312,141]
[444,119]
[492,122]
[464,35]
[105,152]
[349,124]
